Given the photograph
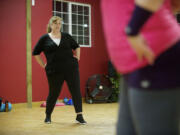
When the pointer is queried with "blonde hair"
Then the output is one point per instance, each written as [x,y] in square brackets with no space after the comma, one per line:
[52,20]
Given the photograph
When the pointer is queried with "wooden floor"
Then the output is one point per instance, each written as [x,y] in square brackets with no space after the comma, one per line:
[21,120]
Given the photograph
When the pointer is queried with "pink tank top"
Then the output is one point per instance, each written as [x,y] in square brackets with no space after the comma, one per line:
[161,31]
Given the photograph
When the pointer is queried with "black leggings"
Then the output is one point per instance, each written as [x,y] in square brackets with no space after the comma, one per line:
[55,84]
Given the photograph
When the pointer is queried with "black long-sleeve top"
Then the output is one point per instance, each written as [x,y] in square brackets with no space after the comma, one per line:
[59,58]
[164,74]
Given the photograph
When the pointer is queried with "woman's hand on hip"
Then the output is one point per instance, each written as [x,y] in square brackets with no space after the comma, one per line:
[141,48]
[44,65]
[76,57]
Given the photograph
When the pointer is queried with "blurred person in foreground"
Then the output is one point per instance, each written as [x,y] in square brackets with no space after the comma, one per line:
[143,40]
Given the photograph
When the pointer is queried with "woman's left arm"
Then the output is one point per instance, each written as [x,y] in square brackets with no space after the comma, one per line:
[77,53]
[137,41]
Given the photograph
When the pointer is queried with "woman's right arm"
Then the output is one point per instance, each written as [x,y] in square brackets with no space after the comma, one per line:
[40,61]
[37,51]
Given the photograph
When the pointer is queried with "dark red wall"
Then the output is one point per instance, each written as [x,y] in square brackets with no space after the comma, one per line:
[13,50]
[13,53]
[41,13]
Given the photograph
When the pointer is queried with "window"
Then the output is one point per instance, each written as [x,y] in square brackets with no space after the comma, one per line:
[76,20]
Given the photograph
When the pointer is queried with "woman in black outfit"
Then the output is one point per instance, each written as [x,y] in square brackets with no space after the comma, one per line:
[62,65]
